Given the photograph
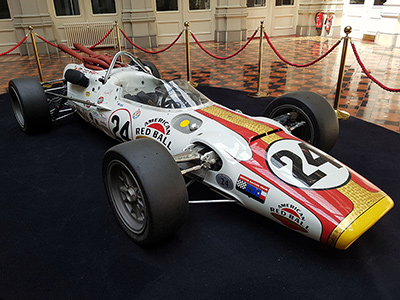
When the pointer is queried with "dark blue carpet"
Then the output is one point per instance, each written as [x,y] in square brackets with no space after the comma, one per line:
[59,238]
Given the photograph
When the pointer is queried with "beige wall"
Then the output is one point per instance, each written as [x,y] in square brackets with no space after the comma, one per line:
[25,13]
[231,20]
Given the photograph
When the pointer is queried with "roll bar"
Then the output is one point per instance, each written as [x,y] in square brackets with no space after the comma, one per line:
[120,54]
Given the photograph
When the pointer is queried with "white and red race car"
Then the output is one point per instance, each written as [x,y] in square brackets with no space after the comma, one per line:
[273,164]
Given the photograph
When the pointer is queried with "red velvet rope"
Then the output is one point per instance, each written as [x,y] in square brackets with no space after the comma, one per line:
[303,65]
[91,47]
[108,33]
[54,45]
[226,57]
[15,47]
[369,74]
[147,51]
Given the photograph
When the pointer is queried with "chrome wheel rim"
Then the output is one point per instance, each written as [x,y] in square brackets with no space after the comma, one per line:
[127,197]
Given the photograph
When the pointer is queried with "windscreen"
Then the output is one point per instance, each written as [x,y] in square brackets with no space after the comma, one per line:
[176,94]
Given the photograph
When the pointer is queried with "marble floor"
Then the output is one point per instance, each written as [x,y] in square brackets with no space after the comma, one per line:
[360,97]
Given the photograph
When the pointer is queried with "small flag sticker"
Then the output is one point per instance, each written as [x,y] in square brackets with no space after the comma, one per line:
[252,189]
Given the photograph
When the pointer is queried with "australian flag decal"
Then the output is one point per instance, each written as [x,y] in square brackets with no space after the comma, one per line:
[252,189]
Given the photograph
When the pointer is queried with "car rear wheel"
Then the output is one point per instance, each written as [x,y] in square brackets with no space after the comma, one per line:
[30,106]
[153,68]
[308,115]
[146,190]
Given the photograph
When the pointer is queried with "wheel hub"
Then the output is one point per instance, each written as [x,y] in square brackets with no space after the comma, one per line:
[127,197]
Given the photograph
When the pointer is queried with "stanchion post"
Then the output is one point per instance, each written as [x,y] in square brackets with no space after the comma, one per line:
[118,37]
[342,115]
[260,94]
[188,69]
[36,53]
[118,40]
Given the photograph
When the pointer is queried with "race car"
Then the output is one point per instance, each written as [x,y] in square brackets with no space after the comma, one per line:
[172,136]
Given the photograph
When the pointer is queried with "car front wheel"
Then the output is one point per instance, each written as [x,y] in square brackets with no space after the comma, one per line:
[146,190]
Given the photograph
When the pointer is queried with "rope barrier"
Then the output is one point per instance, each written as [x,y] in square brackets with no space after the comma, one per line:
[107,34]
[16,46]
[50,43]
[151,52]
[301,65]
[226,57]
[91,47]
[369,74]
[229,56]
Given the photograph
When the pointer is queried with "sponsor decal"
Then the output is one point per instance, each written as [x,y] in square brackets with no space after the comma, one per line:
[99,118]
[291,216]
[136,114]
[87,94]
[252,188]
[100,100]
[304,166]
[224,181]
[158,129]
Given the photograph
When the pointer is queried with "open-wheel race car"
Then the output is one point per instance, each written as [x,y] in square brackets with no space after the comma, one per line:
[172,135]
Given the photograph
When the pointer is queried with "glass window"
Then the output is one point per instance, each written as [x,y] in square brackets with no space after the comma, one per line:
[284,2]
[66,7]
[379,2]
[255,3]
[199,4]
[103,6]
[357,1]
[4,11]
[166,5]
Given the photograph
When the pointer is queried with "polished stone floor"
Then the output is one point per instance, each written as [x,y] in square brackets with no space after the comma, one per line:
[360,96]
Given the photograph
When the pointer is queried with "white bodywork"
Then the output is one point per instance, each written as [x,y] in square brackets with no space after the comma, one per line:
[178,128]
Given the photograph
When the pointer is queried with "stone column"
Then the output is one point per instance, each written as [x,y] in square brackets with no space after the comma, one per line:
[138,22]
[389,33]
[32,13]
[230,20]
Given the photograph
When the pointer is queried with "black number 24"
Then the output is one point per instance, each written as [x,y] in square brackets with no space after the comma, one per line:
[297,169]
[121,133]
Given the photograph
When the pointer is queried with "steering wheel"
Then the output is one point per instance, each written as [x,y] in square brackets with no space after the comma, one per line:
[161,95]
[171,104]
[162,100]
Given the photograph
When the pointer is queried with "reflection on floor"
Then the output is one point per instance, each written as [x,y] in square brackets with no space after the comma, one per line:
[360,97]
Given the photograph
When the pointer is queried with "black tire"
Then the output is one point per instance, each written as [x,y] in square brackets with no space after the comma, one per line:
[146,190]
[321,127]
[30,106]
[153,68]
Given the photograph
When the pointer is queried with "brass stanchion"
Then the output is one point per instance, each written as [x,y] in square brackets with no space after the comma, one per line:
[118,37]
[342,115]
[118,40]
[188,70]
[260,94]
[36,53]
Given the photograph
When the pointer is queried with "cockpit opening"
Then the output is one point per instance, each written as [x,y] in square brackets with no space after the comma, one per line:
[174,94]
